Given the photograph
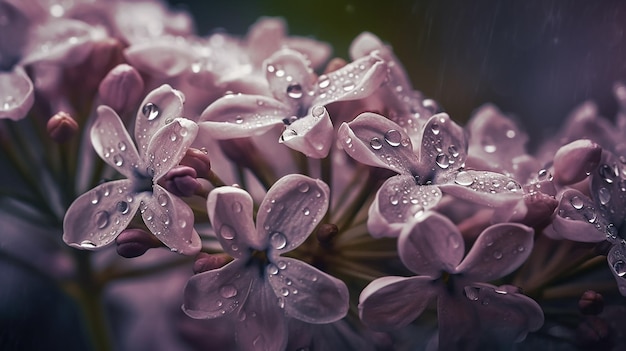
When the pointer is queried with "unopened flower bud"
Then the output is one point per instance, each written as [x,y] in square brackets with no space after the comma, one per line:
[591,303]
[573,162]
[135,242]
[61,127]
[326,233]
[121,88]
[335,64]
[181,181]
[198,160]
[206,262]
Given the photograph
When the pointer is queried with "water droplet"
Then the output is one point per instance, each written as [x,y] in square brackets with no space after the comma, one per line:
[183,131]
[393,137]
[280,73]
[303,187]
[149,215]
[318,111]
[282,264]
[118,160]
[348,85]
[512,186]
[284,291]
[95,199]
[323,81]
[271,68]
[471,292]
[393,199]
[435,128]
[102,219]
[272,269]
[510,134]
[123,207]
[228,291]
[604,195]
[294,91]
[622,185]
[452,150]
[376,144]
[590,215]
[490,149]
[464,178]
[576,202]
[163,200]
[611,230]
[497,255]
[236,207]
[606,173]
[173,137]
[306,211]
[227,232]
[442,161]
[544,174]
[151,111]
[278,240]
[620,268]
[87,244]
[121,145]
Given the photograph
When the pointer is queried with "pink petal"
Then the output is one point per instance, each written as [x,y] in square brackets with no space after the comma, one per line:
[17,94]
[499,250]
[170,219]
[291,79]
[62,41]
[218,292]
[376,141]
[389,303]
[307,293]
[432,245]
[617,262]
[573,162]
[230,213]
[113,144]
[354,81]
[160,59]
[312,135]
[481,187]
[169,145]
[238,116]
[316,52]
[290,211]
[399,201]
[160,107]
[444,147]
[577,218]
[97,217]
[264,38]
[608,189]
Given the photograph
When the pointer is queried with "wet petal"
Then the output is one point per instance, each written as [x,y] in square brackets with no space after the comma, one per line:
[432,245]
[97,217]
[312,135]
[315,51]
[161,59]
[585,123]
[290,78]
[353,81]
[230,212]
[577,218]
[499,250]
[481,187]
[17,94]
[218,292]
[237,116]
[62,41]
[376,141]
[444,146]
[168,146]
[160,107]
[264,38]
[307,293]
[170,219]
[575,161]
[389,303]
[399,201]
[113,144]
[617,263]
[608,188]
[290,211]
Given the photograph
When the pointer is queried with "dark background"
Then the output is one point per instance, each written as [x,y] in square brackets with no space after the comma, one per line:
[535,59]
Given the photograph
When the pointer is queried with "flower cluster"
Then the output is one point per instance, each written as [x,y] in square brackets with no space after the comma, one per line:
[305,202]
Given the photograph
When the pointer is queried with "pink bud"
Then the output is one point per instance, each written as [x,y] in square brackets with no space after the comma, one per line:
[591,303]
[181,181]
[198,160]
[135,242]
[61,127]
[122,88]
[206,262]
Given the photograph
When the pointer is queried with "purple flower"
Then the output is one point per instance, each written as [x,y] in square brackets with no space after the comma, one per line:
[97,217]
[468,310]
[436,166]
[298,102]
[260,289]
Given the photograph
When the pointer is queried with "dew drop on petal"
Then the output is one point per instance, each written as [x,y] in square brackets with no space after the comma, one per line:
[606,173]
[173,137]
[118,160]
[162,200]
[87,244]
[95,199]
[323,81]
[294,91]
[453,151]
[183,131]
[121,145]
[512,186]
[228,291]
[281,264]
[590,215]
[236,207]
[576,202]
[376,144]
[278,240]
[272,269]
[490,149]
[464,178]
[123,207]
[620,268]
[303,187]
[604,195]
[150,111]
[611,230]
[471,292]
[102,219]
[435,128]
[622,185]
[227,232]
[348,85]
[306,211]
[318,111]
[284,291]
[393,137]
[497,255]
[442,161]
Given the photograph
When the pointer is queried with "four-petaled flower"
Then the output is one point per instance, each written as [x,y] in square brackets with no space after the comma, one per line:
[469,311]
[98,216]
[423,173]
[261,288]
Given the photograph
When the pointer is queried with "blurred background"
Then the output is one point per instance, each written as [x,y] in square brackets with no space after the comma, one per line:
[534,59]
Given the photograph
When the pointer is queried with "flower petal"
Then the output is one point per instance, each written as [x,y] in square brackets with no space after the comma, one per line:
[264,38]
[290,211]
[316,52]
[307,293]
[170,219]
[230,212]
[62,41]
[575,161]
[353,81]
[608,190]
[617,262]
[398,201]
[389,303]
[376,141]
[218,292]
[499,250]
[17,94]
[444,147]
[113,144]
[168,146]
[160,107]
[162,59]
[238,116]
[431,245]
[291,79]
[312,135]
[97,217]
[577,218]
[481,187]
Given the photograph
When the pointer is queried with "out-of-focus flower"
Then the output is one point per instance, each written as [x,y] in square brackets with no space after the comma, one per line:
[261,289]
[298,102]
[435,166]
[97,217]
[469,311]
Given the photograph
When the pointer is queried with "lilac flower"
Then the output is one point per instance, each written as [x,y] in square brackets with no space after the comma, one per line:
[599,218]
[436,166]
[97,217]
[261,289]
[468,309]
[298,102]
